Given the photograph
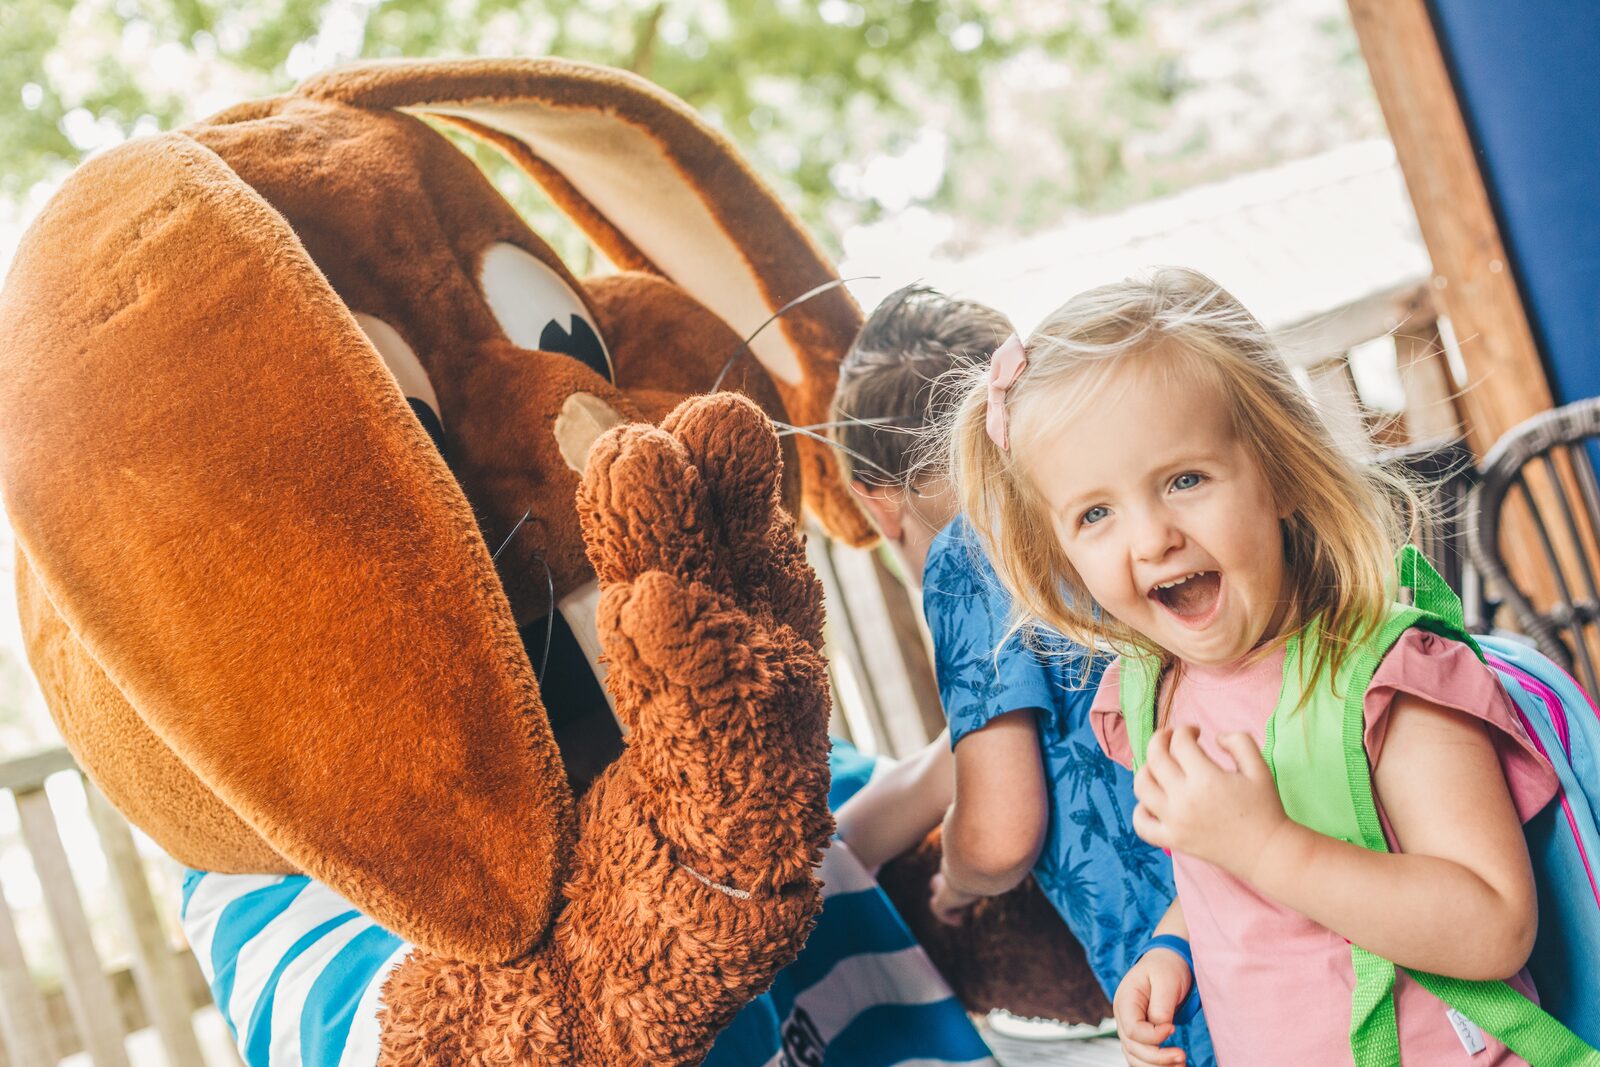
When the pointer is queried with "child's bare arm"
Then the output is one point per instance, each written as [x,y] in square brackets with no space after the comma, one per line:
[898,808]
[1459,900]
[996,825]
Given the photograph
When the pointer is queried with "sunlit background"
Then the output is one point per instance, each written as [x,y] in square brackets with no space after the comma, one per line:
[1007,150]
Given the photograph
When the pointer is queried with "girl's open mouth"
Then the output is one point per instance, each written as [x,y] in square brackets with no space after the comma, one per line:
[1192,598]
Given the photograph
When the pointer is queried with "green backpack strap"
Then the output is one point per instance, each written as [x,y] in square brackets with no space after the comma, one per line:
[1496,1008]
[1318,756]
[1520,1024]
[1429,591]
[1138,675]
[1517,1022]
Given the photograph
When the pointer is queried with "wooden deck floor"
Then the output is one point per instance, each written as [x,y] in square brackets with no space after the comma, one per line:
[1022,1052]
[1098,1052]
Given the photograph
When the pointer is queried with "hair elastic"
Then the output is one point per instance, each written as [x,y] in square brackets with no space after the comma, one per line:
[1005,368]
[1173,943]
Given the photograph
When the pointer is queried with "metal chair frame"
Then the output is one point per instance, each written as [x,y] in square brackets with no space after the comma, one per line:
[1564,631]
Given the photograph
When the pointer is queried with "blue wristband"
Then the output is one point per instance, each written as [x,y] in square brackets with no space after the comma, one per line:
[1172,942]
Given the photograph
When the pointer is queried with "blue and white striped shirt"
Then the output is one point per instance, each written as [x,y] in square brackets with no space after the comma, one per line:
[297,972]
[294,968]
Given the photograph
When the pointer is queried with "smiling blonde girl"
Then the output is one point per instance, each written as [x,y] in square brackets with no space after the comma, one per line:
[1146,474]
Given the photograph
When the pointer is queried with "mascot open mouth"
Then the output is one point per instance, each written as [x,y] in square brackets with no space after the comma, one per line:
[534,305]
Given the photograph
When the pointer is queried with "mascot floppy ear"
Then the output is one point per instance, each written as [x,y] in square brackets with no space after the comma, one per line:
[658,191]
[238,546]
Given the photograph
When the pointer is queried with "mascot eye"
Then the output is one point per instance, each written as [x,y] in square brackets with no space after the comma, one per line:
[538,309]
[407,370]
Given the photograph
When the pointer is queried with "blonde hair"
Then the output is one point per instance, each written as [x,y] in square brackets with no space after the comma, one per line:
[1343,529]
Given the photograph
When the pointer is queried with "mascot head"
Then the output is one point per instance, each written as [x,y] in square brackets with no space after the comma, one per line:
[280,384]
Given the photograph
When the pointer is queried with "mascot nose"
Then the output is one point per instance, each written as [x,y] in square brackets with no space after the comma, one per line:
[584,417]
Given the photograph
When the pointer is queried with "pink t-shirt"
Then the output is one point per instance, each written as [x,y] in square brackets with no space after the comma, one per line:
[1276,986]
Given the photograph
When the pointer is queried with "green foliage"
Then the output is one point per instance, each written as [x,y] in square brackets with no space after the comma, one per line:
[801,87]
[31,139]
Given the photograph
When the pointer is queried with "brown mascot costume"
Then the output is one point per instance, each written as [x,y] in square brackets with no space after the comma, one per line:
[334,491]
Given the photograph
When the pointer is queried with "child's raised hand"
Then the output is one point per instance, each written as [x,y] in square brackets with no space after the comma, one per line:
[1145,1003]
[1189,803]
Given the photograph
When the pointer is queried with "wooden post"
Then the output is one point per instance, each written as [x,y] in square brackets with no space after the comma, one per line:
[155,971]
[94,1007]
[901,601]
[1333,389]
[853,698]
[1472,281]
[1472,277]
[892,650]
[24,1026]
[1430,410]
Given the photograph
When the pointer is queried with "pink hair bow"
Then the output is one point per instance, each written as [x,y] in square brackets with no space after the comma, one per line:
[1004,369]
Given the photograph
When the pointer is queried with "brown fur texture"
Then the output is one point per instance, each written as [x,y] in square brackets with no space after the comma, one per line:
[225,502]
[260,598]
[638,311]
[712,622]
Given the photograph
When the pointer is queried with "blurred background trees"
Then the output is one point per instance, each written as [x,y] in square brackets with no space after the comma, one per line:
[996,116]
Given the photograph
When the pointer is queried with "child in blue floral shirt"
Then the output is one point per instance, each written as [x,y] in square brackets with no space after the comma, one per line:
[1009,715]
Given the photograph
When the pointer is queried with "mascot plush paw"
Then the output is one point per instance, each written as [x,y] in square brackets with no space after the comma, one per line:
[691,883]
[297,424]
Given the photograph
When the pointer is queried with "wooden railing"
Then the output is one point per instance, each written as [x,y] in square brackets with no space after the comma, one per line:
[1398,333]
[885,697]
[93,1009]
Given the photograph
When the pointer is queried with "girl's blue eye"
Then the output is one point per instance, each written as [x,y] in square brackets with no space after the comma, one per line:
[1187,481]
[1093,515]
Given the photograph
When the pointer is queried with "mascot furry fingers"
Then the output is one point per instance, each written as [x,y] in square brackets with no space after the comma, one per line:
[692,879]
[297,426]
